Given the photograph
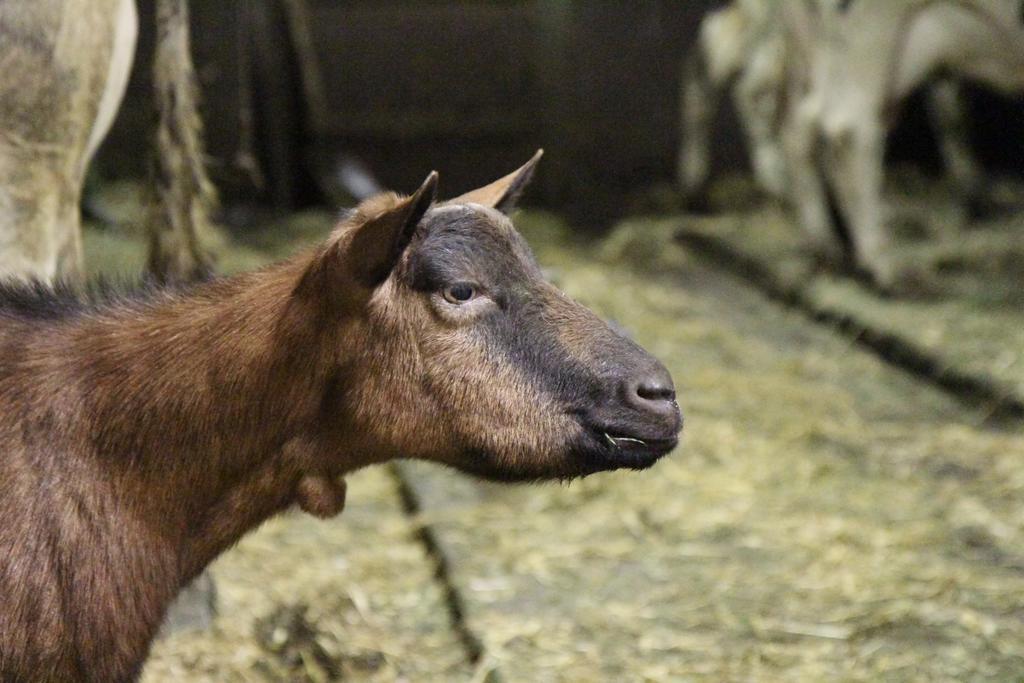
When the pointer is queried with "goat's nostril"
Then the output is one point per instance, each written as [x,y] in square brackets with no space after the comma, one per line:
[652,394]
[652,387]
[656,391]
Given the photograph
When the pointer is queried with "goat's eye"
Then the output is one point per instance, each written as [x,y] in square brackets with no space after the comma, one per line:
[459,293]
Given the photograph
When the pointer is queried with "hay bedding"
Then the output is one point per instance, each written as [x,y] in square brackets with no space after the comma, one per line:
[827,518]
[969,308]
[306,600]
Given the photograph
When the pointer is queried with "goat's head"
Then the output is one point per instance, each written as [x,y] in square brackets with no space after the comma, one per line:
[453,348]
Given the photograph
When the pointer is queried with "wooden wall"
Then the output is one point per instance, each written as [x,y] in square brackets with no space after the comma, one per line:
[469,88]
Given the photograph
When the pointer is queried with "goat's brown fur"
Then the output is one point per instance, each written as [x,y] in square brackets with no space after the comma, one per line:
[142,439]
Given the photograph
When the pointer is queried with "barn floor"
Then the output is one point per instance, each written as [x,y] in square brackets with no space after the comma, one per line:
[827,517]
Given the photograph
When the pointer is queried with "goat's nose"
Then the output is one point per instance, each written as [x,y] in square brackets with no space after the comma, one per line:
[653,392]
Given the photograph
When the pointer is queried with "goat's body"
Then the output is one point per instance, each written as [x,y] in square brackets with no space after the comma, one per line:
[84,584]
[65,541]
[817,84]
[741,46]
[124,441]
[141,438]
[863,63]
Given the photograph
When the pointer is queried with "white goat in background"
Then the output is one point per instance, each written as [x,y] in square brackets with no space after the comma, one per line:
[739,47]
[818,84]
[864,59]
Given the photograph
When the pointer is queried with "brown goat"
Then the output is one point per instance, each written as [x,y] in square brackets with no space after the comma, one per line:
[143,436]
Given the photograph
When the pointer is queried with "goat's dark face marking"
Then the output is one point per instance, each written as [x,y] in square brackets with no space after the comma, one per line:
[485,366]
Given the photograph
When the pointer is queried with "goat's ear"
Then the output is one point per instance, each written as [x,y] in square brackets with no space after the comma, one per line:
[378,243]
[502,194]
[369,242]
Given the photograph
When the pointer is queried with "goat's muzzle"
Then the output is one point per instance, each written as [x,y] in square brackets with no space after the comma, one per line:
[638,427]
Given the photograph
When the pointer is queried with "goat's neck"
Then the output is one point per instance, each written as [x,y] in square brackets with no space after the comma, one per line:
[212,422]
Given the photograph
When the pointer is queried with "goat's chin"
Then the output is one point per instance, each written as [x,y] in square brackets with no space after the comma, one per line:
[579,458]
[517,468]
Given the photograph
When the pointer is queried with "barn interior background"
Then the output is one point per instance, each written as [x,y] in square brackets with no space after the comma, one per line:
[847,500]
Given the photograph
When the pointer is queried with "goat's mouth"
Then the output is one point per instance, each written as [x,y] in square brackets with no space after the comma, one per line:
[616,448]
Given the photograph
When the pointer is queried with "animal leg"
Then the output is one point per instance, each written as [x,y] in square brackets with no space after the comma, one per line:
[807,187]
[698,101]
[947,108]
[30,208]
[757,95]
[855,160]
[68,238]
[125,38]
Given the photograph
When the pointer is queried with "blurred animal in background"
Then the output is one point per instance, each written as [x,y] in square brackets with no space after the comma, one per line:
[65,68]
[860,62]
[740,47]
[144,437]
[818,84]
